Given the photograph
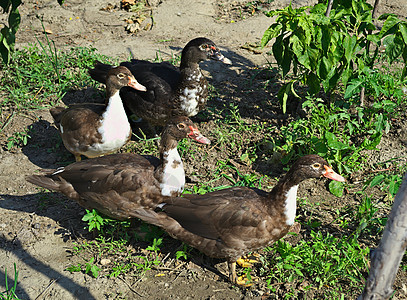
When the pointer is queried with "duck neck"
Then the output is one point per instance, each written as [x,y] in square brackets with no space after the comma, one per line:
[172,175]
[192,90]
[285,193]
[114,106]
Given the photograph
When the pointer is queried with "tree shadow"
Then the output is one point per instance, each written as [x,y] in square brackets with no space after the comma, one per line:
[45,148]
[15,245]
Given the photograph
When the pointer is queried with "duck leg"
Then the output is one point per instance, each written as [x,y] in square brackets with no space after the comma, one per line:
[77,157]
[241,280]
[247,261]
[232,272]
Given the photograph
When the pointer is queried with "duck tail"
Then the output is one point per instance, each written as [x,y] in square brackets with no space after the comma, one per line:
[148,216]
[56,113]
[43,181]
[99,71]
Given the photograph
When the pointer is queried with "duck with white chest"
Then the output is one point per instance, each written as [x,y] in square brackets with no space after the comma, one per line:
[118,185]
[94,129]
[171,91]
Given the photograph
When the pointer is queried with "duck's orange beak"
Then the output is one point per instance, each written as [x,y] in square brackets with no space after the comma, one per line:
[331,174]
[135,85]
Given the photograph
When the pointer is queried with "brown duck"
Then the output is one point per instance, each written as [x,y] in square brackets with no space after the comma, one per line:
[232,222]
[93,129]
[119,184]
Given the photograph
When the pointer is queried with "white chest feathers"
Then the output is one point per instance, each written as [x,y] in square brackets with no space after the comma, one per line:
[191,96]
[173,178]
[291,205]
[115,127]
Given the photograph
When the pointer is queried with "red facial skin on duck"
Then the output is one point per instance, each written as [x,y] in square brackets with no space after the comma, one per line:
[197,136]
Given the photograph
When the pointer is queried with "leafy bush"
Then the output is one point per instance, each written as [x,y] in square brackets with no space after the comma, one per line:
[328,50]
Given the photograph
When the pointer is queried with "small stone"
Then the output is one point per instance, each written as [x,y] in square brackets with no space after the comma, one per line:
[105,261]
[37,226]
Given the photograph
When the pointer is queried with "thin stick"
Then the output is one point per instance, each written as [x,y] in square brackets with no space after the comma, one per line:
[131,289]
[49,285]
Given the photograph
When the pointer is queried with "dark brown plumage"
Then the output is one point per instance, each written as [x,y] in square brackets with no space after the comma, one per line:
[93,129]
[119,184]
[232,222]
[170,91]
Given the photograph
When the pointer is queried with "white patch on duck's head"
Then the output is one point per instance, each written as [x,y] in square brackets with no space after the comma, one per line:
[173,177]
[61,128]
[291,205]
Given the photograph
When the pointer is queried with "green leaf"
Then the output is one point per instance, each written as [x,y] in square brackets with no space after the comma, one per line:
[296,45]
[278,49]
[389,26]
[346,74]
[352,87]
[325,39]
[14,20]
[325,67]
[286,62]
[270,33]
[403,31]
[333,142]
[377,180]
[313,83]
[394,46]
[349,43]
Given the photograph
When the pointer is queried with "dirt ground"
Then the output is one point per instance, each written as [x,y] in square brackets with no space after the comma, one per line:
[38,230]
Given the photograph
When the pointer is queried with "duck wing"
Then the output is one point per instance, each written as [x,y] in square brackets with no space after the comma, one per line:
[164,70]
[112,184]
[215,215]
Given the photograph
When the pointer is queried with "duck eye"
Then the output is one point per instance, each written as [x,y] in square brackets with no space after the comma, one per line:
[316,166]
[204,47]
[181,126]
[120,75]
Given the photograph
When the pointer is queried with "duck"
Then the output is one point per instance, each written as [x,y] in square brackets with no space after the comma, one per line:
[233,222]
[94,129]
[118,184]
[170,91]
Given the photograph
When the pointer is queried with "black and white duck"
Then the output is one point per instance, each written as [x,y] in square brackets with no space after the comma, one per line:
[170,91]
[93,129]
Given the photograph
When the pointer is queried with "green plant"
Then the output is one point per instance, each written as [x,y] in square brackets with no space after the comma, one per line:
[388,180]
[92,268]
[322,260]
[328,131]
[155,246]
[18,139]
[10,293]
[27,84]
[184,253]
[8,33]
[325,50]
[89,267]
[51,53]
[95,221]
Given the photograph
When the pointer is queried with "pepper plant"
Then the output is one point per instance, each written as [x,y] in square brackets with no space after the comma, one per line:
[327,50]
[8,32]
